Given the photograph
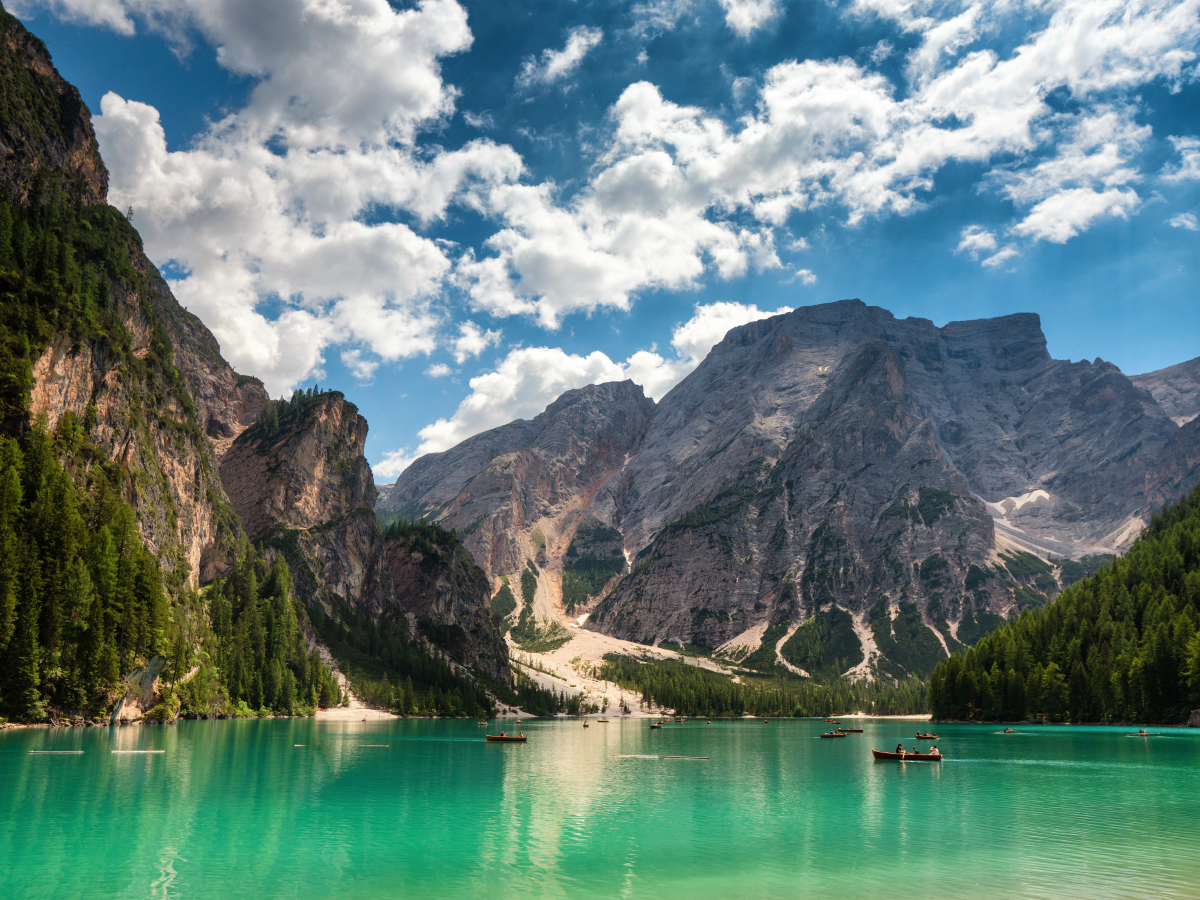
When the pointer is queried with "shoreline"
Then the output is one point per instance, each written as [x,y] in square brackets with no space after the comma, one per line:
[370,714]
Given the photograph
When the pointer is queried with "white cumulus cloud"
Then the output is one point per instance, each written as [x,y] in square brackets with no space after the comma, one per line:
[556,65]
[1188,169]
[265,209]
[528,379]
[1186,221]
[472,340]
[747,16]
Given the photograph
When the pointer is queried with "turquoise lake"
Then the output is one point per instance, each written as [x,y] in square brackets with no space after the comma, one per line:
[418,808]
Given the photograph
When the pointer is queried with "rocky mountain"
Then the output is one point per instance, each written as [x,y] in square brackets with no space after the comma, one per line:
[301,485]
[438,583]
[521,491]
[831,477]
[1176,388]
[99,361]
[110,360]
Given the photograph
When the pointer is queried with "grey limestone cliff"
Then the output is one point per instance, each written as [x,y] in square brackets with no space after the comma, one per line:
[1176,388]
[831,458]
[521,491]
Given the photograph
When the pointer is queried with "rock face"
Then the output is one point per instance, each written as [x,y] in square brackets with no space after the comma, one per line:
[151,427]
[141,692]
[44,125]
[304,488]
[1176,388]
[158,401]
[520,491]
[438,583]
[833,456]
[1178,468]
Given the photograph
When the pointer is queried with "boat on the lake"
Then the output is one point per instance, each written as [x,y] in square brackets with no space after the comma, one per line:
[926,737]
[656,724]
[602,721]
[833,734]
[904,756]
[506,738]
[849,729]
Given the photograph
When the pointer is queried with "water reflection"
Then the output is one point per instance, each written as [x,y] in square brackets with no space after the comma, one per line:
[429,809]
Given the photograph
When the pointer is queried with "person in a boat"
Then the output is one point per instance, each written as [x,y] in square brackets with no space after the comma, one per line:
[504,734]
[900,748]
[933,751]
[521,734]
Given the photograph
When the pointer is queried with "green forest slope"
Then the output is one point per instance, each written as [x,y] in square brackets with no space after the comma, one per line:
[1122,645]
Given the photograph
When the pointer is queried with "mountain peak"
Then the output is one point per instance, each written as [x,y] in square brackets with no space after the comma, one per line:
[45,127]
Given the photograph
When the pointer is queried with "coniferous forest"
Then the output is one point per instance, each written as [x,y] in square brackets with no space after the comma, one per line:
[1121,645]
[82,601]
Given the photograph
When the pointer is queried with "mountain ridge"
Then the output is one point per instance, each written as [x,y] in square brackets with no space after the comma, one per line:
[1019,455]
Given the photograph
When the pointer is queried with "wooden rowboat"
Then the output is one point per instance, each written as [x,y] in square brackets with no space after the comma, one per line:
[506,738]
[849,729]
[833,734]
[908,757]
[926,737]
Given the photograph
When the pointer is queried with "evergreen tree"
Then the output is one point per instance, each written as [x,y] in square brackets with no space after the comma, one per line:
[1120,645]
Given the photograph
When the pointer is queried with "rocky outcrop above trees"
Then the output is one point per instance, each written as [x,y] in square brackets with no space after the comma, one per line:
[45,128]
[521,492]
[438,583]
[302,486]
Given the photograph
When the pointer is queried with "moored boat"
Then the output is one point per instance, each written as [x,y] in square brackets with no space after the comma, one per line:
[506,738]
[904,756]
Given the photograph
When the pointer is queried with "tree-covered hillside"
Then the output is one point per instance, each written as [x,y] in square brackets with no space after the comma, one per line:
[1120,645]
[83,602]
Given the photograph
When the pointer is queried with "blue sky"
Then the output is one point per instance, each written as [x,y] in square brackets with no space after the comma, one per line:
[455,210]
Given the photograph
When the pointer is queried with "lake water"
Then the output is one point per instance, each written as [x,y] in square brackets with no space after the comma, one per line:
[428,809]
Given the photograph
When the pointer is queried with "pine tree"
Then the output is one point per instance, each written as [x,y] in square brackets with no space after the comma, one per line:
[10,514]
[23,695]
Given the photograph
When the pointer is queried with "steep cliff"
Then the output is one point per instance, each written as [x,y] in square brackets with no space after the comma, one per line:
[45,129]
[520,492]
[439,584]
[301,485]
[104,339]
[924,481]
[1176,388]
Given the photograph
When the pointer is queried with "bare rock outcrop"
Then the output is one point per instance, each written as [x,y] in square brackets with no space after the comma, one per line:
[1176,388]
[832,456]
[520,491]
[301,485]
